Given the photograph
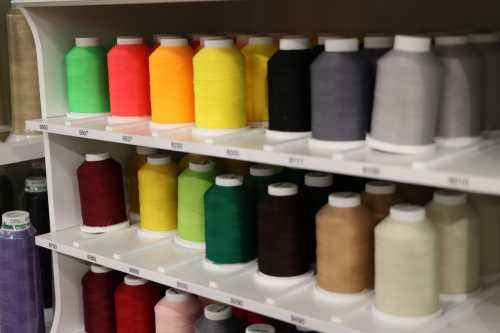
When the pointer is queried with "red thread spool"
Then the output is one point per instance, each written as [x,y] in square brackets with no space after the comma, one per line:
[98,287]
[102,197]
[128,73]
[135,300]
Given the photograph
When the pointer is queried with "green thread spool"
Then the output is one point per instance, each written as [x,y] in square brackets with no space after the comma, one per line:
[192,185]
[87,78]
[261,176]
[230,223]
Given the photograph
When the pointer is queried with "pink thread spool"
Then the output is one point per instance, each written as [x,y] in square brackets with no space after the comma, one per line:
[177,312]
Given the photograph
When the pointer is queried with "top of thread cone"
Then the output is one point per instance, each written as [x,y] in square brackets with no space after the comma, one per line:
[342,45]
[16,220]
[201,165]
[141,150]
[229,180]
[291,43]
[158,37]
[218,43]
[260,40]
[378,42]
[318,179]
[282,189]
[260,328]
[407,213]
[87,41]
[412,43]
[175,295]
[99,269]
[449,198]
[217,312]
[96,157]
[260,170]
[483,38]
[159,159]
[35,184]
[451,40]
[132,280]
[344,200]
[380,187]
[129,40]
[173,41]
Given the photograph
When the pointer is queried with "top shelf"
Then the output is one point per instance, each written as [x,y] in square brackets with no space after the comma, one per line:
[54,3]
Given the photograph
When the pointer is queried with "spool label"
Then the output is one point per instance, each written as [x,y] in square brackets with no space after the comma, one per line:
[91,258]
[52,246]
[233,153]
[134,271]
[43,127]
[370,171]
[177,145]
[127,138]
[182,285]
[84,133]
[296,161]
[461,182]
[236,301]
[298,320]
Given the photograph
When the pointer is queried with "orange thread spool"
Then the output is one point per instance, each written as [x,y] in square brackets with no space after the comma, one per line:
[171,82]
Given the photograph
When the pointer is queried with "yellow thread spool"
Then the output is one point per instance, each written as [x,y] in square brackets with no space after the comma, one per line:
[257,52]
[219,81]
[158,196]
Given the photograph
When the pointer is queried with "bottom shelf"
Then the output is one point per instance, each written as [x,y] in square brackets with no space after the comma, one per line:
[164,262]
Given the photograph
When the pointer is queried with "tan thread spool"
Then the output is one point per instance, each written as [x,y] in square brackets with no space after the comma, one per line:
[344,231]
[458,229]
[379,197]
[24,90]
[406,263]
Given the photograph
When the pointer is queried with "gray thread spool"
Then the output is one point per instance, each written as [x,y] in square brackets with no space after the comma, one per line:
[340,93]
[488,46]
[459,118]
[260,328]
[407,96]
[218,318]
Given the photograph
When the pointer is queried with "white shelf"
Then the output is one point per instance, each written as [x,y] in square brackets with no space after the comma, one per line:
[165,262]
[473,169]
[19,152]
[54,3]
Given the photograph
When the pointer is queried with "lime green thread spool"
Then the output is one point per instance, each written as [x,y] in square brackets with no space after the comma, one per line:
[87,78]
[261,176]
[192,185]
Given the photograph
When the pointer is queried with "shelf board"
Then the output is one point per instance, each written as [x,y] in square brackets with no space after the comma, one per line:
[19,152]
[164,262]
[472,169]
[54,3]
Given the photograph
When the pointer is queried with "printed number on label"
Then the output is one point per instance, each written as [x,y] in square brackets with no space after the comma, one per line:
[182,285]
[44,127]
[91,258]
[83,132]
[236,301]
[371,171]
[297,320]
[233,152]
[296,161]
[52,246]
[127,138]
[134,271]
[176,145]
[458,181]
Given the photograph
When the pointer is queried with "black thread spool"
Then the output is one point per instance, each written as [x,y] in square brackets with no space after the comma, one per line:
[6,195]
[289,87]
[317,187]
[282,246]
[35,202]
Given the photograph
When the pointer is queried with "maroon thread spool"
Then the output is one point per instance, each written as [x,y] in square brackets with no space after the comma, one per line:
[102,196]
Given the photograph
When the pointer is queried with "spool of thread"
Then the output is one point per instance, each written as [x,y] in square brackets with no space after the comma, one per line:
[186,159]
[459,118]
[87,78]
[260,328]
[317,187]
[257,53]
[158,37]
[488,208]
[458,231]
[320,46]
[171,82]
[229,221]
[415,194]
[291,175]
[407,264]
[135,300]
[158,196]
[98,288]
[24,90]
[235,166]
[407,98]
[129,79]
[134,164]
[340,93]
[102,197]
[6,194]
[177,312]
[261,176]
[219,87]
[488,46]
[345,245]
[193,184]
[36,203]
[218,318]
[21,299]
[282,247]
[242,40]
[379,197]
[289,86]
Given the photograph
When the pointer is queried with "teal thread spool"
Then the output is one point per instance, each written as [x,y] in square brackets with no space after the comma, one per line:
[230,222]
[192,184]
[87,78]
[261,176]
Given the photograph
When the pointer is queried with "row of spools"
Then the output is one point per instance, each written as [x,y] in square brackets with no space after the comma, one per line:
[419,93]
[290,220]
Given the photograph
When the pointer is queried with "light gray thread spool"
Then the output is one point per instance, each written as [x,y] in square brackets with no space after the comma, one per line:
[340,94]
[459,118]
[218,318]
[488,46]
[407,96]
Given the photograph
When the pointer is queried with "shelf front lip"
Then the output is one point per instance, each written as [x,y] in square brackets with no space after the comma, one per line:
[11,153]
[418,176]
[62,3]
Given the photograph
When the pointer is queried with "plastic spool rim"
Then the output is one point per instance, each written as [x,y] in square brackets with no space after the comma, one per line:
[157,37]
[451,40]
[260,170]
[407,213]
[159,159]
[344,200]
[483,38]
[96,157]
[316,144]
[398,149]
[98,269]
[294,43]
[282,189]
[322,38]
[16,220]
[260,40]
[229,180]
[457,142]
[400,320]
[414,44]
[217,312]
[378,42]
[342,45]
[303,329]
[129,40]
[380,187]
[173,41]
[201,165]
[87,41]
[449,197]
[142,150]
[176,295]
[318,179]
[35,184]
[132,280]
[218,43]
[260,328]
[341,298]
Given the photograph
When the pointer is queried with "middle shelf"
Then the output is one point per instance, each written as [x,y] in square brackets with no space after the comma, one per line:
[473,168]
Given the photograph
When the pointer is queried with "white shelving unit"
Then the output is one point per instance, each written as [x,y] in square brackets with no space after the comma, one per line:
[56,22]
[11,153]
